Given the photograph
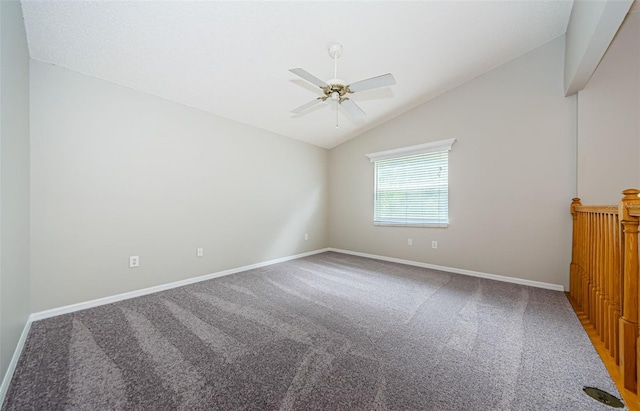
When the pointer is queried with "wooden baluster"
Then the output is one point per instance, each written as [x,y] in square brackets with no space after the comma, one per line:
[596,278]
[593,286]
[593,278]
[601,275]
[586,285]
[583,264]
[612,286]
[617,288]
[595,271]
[605,281]
[629,320]
[608,276]
[574,280]
[587,267]
[578,264]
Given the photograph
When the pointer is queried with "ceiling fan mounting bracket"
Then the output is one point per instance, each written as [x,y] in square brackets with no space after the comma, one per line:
[335,50]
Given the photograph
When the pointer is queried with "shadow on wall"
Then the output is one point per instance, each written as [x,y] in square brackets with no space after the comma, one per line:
[302,222]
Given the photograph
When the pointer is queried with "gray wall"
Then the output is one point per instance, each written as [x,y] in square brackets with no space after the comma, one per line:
[512,175]
[14,179]
[609,121]
[116,172]
[105,157]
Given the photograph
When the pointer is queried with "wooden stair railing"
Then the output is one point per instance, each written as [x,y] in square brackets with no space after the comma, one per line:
[604,277]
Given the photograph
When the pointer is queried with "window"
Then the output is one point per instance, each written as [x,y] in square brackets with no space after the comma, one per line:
[412,185]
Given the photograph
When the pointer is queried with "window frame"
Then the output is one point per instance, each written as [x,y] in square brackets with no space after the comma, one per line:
[432,147]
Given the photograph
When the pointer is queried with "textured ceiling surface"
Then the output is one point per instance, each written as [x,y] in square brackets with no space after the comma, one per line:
[232,58]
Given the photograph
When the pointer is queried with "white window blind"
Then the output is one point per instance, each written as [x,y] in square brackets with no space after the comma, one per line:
[412,190]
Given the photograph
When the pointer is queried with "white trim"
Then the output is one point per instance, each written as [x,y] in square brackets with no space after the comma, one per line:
[432,225]
[521,281]
[434,146]
[150,290]
[8,375]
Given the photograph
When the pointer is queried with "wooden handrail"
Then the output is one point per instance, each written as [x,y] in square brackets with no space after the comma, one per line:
[604,277]
[596,209]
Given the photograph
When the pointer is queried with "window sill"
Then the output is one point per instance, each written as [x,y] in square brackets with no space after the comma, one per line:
[432,225]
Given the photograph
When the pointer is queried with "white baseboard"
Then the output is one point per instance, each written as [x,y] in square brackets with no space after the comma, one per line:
[132,294]
[150,290]
[14,361]
[538,284]
[124,296]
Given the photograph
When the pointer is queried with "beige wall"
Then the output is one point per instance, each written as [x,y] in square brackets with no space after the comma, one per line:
[105,157]
[609,121]
[116,173]
[512,175]
[14,179]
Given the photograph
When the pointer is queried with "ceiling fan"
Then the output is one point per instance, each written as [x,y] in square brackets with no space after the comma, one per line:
[337,89]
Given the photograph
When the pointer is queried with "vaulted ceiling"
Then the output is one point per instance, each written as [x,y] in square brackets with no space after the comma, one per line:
[232,58]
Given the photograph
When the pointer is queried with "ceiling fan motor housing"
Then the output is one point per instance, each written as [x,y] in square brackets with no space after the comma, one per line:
[336,86]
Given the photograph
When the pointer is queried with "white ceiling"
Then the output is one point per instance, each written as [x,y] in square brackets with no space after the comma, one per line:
[232,58]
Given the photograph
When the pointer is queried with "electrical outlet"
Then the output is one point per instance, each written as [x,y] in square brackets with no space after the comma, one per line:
[434,244]
[410,241]
[199,252]
[306,236]
[134,261]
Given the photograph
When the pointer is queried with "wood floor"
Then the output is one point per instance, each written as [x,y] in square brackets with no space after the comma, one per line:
[629,398]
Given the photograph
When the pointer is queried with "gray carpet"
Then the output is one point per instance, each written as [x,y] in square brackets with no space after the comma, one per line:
[327,332]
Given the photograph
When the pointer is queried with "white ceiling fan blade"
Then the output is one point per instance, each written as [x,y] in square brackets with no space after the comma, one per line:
[307,105]
[373,82]
[309,77]
[352,108]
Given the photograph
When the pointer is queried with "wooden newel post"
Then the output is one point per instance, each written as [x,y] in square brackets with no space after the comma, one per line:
[575,277]
[630,204]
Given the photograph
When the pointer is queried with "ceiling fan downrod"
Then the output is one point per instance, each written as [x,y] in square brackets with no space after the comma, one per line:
[335,51]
